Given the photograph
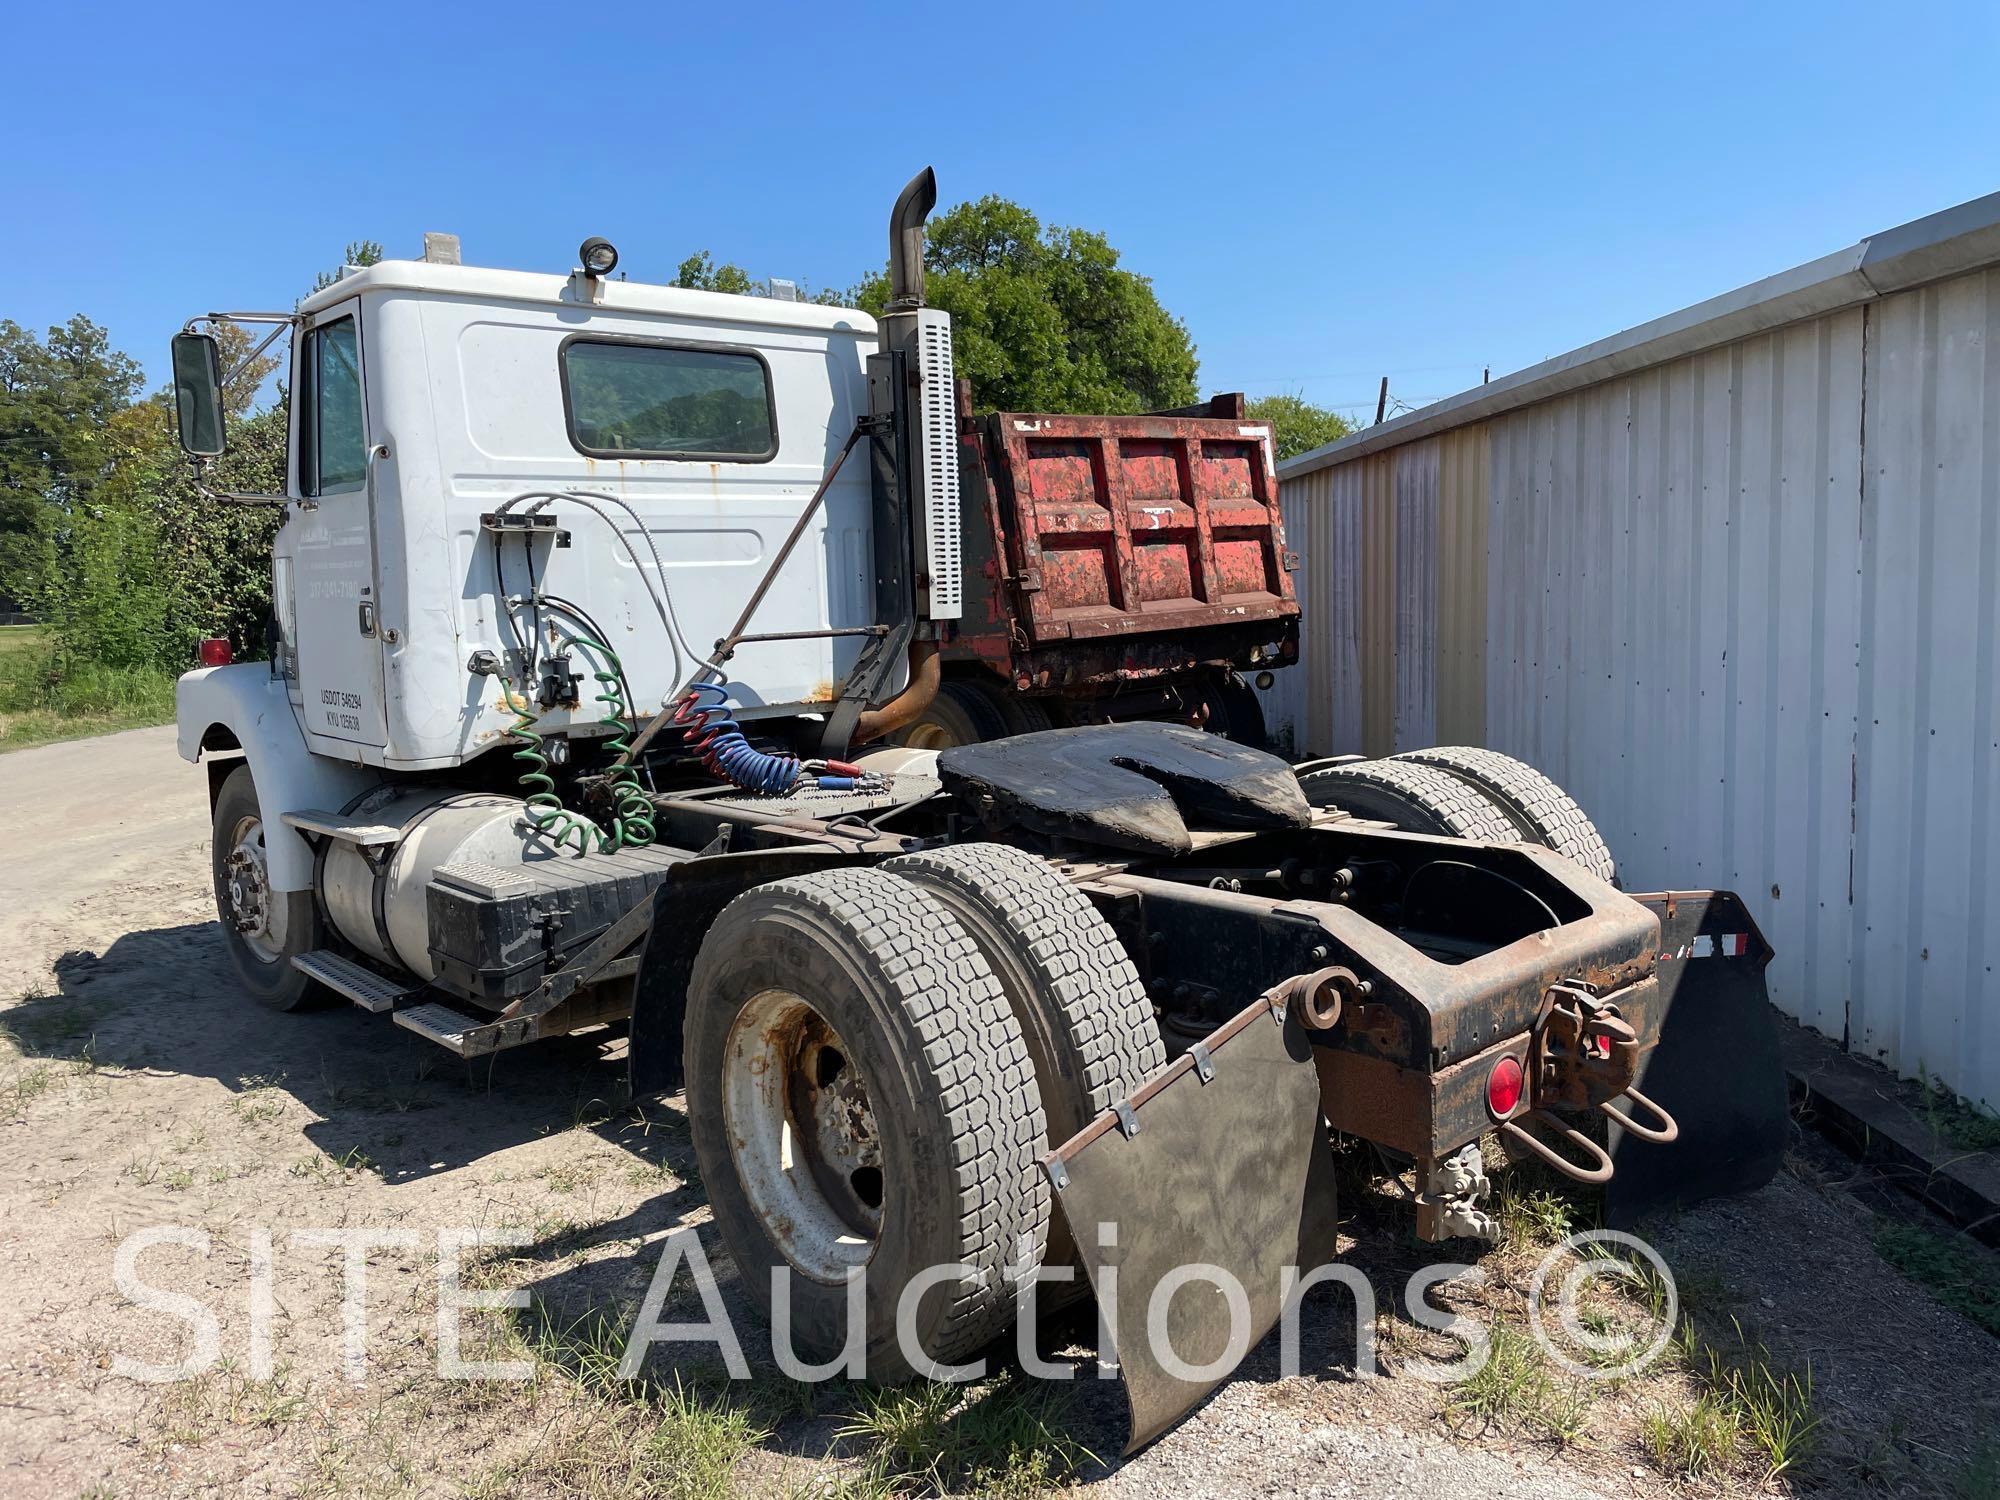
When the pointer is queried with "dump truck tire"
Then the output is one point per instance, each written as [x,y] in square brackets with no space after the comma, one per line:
[1241,716]
[1417,799]
[1025,715]
[841,1024]
[1543,812]
[1082,1008]
[283,923]
[963,713]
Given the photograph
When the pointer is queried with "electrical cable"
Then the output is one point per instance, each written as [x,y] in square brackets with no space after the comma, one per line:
[582,617]
[658,595]
[710,729]
[659,567]
[543,808]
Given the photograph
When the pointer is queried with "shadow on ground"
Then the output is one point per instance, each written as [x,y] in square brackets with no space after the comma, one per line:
[166,1000]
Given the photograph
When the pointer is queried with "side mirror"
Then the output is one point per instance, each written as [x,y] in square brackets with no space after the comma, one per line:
[198,393]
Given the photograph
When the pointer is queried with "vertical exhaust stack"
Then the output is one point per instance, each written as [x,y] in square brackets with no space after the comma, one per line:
[911,380]
[922,335]
[906,241]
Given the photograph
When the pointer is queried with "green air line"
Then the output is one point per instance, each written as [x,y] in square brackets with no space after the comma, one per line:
[545,810]
[632,816]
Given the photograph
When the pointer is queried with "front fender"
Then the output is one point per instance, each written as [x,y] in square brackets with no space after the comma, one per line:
[252,705]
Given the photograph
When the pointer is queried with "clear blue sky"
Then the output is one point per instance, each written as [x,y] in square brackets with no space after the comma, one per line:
[1324,193]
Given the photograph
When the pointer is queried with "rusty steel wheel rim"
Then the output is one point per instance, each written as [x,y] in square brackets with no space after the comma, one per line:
[803,1135]
[924,735]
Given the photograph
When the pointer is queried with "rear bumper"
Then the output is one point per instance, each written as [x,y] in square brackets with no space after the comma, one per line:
[1460,955]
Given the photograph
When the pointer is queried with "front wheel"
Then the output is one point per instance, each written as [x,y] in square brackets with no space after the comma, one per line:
[263,929]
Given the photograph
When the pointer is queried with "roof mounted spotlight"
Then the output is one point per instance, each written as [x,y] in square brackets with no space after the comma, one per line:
[598,256]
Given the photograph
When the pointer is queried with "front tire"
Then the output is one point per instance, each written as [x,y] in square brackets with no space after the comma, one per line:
[263,929]
[860,1095]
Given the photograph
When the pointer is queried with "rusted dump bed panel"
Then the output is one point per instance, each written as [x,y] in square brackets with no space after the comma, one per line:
[1122,526]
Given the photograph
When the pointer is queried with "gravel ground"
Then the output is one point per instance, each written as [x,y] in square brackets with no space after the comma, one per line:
[145,1091]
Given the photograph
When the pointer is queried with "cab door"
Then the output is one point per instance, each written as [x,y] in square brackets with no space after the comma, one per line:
[336,594]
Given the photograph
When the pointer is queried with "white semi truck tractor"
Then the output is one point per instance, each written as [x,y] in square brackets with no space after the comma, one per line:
[593,605]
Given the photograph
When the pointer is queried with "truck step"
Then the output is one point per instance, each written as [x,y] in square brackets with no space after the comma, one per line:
[447,1027]
[366,988]
[332,825]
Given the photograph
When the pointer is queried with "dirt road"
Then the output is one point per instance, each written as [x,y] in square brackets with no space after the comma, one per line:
[139,1090]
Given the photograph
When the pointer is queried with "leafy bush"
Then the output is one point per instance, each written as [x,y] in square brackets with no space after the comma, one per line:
[133,577]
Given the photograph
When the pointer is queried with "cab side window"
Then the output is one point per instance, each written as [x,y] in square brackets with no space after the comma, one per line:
[333,449]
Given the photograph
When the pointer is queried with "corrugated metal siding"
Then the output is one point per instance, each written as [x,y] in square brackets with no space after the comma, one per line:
[1673,627]
[1461,574]
[1927,910]
[1759,662]
[1414,471]
[1375,604]
[1302,504]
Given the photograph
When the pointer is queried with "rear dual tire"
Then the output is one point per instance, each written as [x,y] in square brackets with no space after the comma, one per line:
[1465,792]
[875,1061]
[1541,812]
[1089,1029]
[1418,799]
[863,965]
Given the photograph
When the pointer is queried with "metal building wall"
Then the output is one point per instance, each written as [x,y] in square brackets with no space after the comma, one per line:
[1927,752]
[1743,604]
[1461,568]
[1673,627]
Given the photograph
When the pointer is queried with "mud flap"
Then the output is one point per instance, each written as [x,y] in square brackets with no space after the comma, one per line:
[1715,1069]
[1220,1160]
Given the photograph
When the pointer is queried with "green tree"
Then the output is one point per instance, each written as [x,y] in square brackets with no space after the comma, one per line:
[57,397]
[102,532]
[357,253]
[1297,426]
[1048,319]
[700,273]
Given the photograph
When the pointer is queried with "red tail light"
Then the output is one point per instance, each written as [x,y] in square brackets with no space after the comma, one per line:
[215,652]
[1503,1088]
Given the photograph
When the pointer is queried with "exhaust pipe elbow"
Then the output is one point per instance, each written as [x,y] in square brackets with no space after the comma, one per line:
[926,676]
[906,239]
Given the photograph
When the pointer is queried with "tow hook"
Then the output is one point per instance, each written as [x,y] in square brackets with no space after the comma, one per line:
[1584,1055]
[1318,998]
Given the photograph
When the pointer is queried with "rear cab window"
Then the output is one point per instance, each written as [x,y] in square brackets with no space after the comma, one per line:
[643,398]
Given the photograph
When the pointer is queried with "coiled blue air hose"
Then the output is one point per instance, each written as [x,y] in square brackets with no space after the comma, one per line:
[712,731]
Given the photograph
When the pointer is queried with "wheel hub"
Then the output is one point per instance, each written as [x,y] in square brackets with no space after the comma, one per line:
[250,906]
[804,1136]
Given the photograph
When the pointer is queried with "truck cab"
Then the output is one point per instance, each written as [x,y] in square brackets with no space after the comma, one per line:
[429,394]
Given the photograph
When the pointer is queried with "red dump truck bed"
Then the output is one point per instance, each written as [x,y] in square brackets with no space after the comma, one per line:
[1140,559]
